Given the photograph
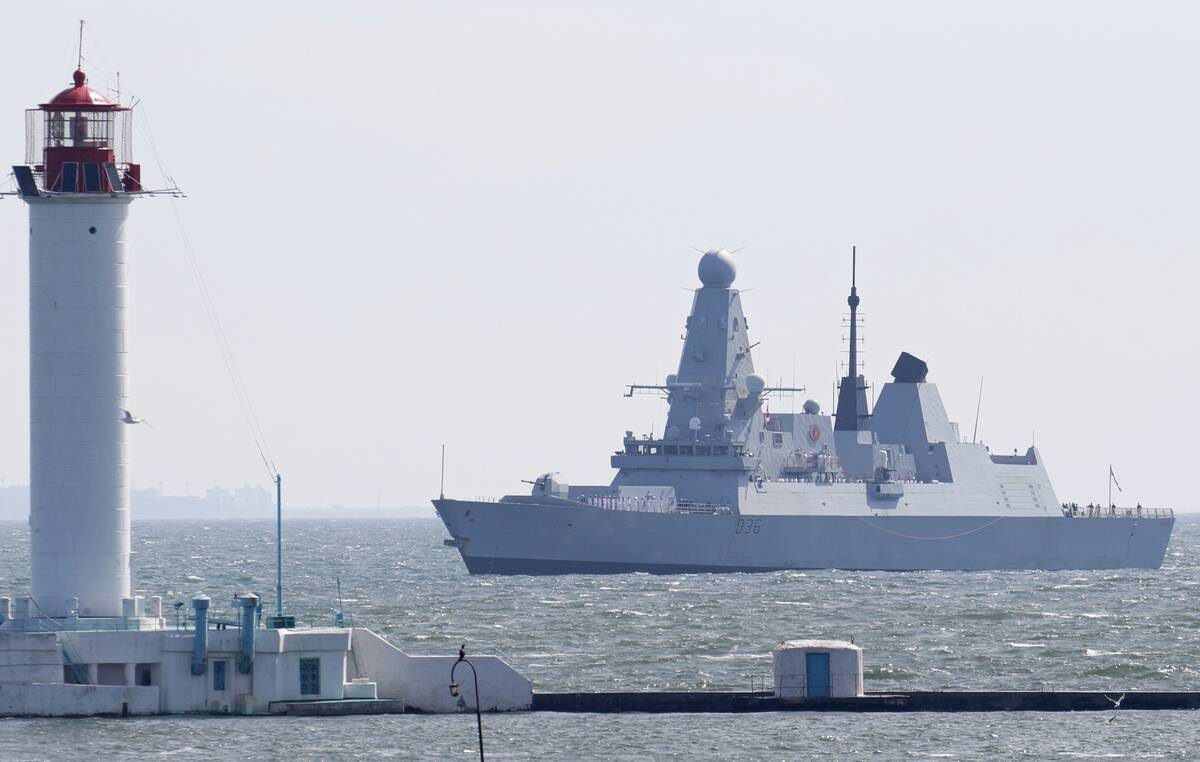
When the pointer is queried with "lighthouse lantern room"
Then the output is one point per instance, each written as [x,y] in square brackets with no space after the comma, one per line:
[79,142]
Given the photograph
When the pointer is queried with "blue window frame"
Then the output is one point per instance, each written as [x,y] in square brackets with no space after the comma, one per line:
[218,675]
[310,677]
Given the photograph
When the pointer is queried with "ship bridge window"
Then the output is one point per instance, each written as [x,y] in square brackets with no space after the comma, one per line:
[685,450]
[777,439]
[670,450]
[704,450]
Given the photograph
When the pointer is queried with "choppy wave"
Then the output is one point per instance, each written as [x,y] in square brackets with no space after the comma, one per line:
[1123,630]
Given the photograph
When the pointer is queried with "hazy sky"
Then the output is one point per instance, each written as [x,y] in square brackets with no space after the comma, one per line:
[472,224]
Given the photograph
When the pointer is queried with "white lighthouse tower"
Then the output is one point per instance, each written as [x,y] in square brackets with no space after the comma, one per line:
[78,181]
[78,643]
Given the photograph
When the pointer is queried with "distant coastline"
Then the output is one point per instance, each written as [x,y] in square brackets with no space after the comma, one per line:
[217,503]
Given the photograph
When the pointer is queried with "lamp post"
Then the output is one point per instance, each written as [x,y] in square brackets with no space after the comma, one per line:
[462,659]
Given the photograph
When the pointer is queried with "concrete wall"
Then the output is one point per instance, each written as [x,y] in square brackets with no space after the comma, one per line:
[277,665]
[275,676]
[42,700]
[185,692]
[422,682]
[33,658]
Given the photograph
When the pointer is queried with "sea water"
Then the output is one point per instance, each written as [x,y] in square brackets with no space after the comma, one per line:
[1103,630]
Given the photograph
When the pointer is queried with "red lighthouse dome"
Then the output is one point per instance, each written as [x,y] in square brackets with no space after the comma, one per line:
[80,96]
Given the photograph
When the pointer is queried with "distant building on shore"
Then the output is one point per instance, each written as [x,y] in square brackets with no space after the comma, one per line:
[247,501]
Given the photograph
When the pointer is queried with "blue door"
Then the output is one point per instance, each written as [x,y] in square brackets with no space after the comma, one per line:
[817,678]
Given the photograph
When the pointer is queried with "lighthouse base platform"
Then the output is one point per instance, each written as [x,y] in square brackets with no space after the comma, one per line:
[322,671]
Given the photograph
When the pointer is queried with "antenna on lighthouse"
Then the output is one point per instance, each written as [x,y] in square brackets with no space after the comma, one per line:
[79,65]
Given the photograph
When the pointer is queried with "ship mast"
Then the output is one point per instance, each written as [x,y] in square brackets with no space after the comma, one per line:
[852,392]
[853,302]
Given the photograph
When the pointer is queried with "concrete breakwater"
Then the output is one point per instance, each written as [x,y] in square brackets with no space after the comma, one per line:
[895,701]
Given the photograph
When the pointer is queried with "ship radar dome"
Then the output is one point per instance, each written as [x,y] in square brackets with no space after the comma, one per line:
[755,384]
[811,407]
[717,269]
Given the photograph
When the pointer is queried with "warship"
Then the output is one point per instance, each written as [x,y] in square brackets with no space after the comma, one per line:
[733,487]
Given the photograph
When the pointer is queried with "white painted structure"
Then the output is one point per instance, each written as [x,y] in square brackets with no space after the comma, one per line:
[79,497]
[149,672]
[817,669]
[423,681]
[78,142]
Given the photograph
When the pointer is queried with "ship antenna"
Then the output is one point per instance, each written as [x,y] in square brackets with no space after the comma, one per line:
[442,485]
[853,302]
[978,404]
[851,397]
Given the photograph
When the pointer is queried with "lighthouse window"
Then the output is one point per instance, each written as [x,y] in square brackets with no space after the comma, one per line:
[310,677]
[218,675]
[69,177]
[78,129]
[91,177]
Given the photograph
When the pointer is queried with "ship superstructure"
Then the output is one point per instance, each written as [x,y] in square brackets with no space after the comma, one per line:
[730,486]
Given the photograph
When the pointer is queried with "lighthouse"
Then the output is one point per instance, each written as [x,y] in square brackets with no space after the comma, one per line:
[78,180]
[78,643]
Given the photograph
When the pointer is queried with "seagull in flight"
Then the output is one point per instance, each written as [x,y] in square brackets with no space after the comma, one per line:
[130,418]
[1116,702]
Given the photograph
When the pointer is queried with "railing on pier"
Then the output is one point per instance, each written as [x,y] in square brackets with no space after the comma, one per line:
[1076,511]
[653,505]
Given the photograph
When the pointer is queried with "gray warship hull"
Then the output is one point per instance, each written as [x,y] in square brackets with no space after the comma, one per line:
[527,538]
